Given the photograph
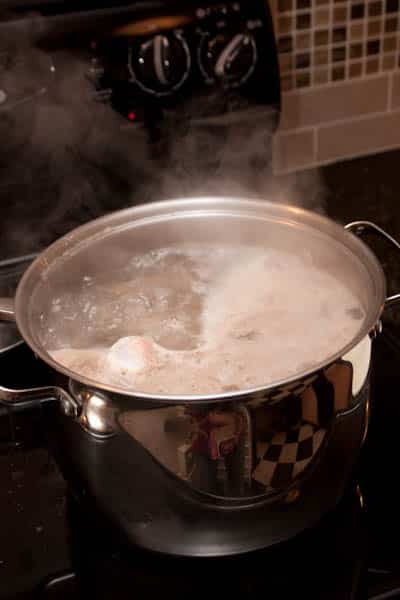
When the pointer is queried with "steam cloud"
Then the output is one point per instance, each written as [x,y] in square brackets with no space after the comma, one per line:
[66,159]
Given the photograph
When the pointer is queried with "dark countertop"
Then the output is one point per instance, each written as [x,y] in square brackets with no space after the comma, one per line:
[365,188]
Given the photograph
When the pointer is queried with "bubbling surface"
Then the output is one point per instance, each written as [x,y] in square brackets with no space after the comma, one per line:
[197,320]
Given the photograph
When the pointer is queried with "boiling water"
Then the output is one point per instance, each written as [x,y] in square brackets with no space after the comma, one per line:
[203,320]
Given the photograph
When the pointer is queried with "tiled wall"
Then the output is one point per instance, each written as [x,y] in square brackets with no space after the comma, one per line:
[339,62]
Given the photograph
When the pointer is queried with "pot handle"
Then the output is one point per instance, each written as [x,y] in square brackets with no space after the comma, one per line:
[23,398]
[358,227]
[7,312]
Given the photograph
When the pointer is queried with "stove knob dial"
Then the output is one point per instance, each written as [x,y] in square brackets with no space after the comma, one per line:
[161,65]
[228,59]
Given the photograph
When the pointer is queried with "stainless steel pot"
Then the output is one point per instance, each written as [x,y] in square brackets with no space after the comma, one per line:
[240,447]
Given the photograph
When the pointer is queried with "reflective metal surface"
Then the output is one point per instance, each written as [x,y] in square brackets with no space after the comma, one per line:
[97,413]
[20,397]
[7,312]
[255,448]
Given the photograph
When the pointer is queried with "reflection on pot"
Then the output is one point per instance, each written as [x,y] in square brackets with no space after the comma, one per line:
[257,447]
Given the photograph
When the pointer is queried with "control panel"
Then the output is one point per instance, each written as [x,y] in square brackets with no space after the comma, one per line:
[146,60]
[213,57]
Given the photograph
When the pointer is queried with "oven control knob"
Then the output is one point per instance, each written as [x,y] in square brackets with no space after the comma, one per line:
[161,65]
[230,59]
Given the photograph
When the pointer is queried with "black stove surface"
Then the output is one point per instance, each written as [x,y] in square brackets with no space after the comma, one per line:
[51,547]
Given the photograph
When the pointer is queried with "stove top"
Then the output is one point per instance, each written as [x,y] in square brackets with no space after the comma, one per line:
[52,547]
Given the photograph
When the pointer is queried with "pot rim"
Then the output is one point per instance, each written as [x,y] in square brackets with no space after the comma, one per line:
[165,209]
